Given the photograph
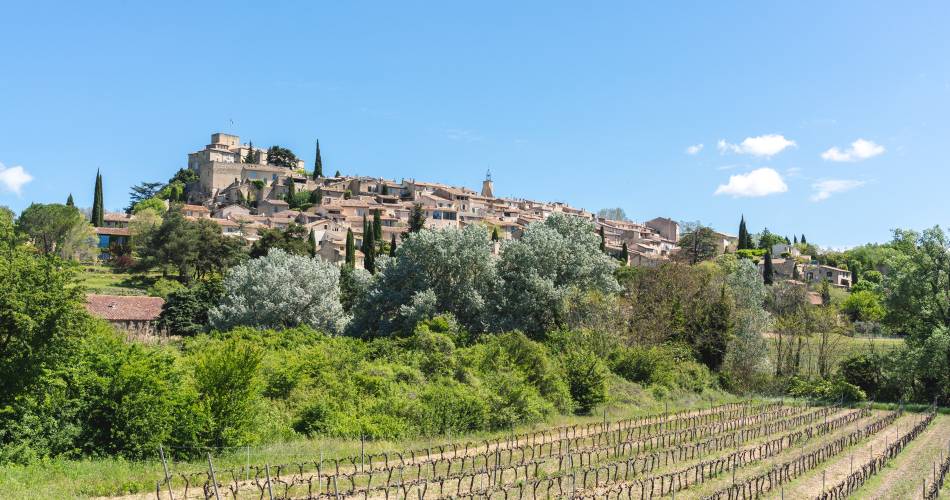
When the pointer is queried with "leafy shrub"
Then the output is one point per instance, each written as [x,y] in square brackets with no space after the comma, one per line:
[165,287]
[831,390]
[587,379]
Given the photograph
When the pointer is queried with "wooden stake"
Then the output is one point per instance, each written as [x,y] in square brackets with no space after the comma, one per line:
[270,491]
[214,481]
[161,453]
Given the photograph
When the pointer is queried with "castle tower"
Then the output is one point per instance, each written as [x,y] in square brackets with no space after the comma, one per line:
[487,188]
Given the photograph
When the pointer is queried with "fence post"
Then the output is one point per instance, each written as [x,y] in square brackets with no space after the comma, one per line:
[362,453]
[161,453]
[270,491]
[214,480]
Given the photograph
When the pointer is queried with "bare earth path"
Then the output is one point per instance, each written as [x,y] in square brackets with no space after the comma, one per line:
[810,485]
[902,477]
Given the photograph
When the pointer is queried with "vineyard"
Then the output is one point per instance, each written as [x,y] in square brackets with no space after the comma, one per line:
[732,451]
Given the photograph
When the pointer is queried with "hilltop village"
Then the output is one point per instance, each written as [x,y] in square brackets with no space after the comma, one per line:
[241,191]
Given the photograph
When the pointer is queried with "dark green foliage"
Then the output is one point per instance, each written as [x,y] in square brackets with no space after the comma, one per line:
[377,226]
[830,390]
[253,156]
[143,191]
[338,174]
[369,249]
[768,274]
[624,253]
[802,240]
[195,249]
[98,212]
[317,163]
[768,239]
[664,366]
[417,218]
[312,244]
[281,157]
[697,244]
[392,246]
[292,240]
[350,258]
[69,201]
[586,378]
[51,226]
[185,312]
[603,239]
[494,234]
[316,196]
[745,239]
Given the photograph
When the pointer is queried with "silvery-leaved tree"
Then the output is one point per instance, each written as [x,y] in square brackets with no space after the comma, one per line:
[747,355]
[281,290]
[539,270]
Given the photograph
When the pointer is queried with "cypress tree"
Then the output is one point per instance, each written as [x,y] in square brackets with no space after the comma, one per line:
[743,242]
[803,240]
[316,196]
[338,174]
[825,293]
[291,193]
[767,272]
[69,201]
[788,241]
[251,157]
[392,246]
[98,214]
[795,274]
[603,240]
[312,240]
[385,190]
[494,234]
[350,259]
[318,163]
[624,253]
[369,254]
[795,238]
[417,218]
[377,226]
[366,231]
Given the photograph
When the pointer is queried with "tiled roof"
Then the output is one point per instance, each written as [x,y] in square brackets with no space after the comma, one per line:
[116,217]
[113,231]
[124,308]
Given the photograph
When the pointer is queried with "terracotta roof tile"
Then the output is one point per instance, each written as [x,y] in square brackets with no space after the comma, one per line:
[124,308]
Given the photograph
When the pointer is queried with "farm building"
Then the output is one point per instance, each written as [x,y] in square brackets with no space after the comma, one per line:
[137,316]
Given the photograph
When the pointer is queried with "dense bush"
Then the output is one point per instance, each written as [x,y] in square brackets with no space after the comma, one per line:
[830,390]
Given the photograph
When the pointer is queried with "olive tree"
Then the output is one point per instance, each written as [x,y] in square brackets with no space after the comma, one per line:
[747,354]
[281,290]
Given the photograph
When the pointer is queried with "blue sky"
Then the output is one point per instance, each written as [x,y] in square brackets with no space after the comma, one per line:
[592,103]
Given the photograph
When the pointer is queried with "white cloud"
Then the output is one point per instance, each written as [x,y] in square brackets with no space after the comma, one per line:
[759,182]
[13,178]
[824,189]
[763,145]
[694,149]
[860,150]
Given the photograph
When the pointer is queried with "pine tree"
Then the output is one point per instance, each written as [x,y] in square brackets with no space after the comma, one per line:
[318,163]
[350,259]
[743,242]
[69,201]
[767,272]
[98,214]
[417,218]
[603,240]
[392,246]
[377,226]
[494,234]
[312,240]
[624,253]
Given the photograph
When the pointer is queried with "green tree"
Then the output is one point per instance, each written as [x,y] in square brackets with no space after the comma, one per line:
[350,259]
[603,239]
[98,213]
[586,376]
[149,204]
[337,174]
[698,243]
[769,239]
[825,293]
[768,274]
[227,378]
[417,218]
[624,254]
[863,305]
[293,240]
[58,229]
[377,226]
[316,196]
[369,251]
[69,201]
[317,163]
[392,246]
[312,243]
[253,156]
[494,234]
[744,237]
[802,240]
[281,157]
[612,214]
[141,192]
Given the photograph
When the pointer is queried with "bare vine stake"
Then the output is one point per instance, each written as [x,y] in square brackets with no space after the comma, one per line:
[362,452]
[270,491]
[214,481]
[161,453]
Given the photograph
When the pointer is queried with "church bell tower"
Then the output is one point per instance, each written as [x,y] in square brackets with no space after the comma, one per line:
[487,188]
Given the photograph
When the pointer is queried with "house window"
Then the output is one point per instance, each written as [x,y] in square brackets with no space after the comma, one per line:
[829,274]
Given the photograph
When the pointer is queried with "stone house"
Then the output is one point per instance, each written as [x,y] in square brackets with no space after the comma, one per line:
[136,316]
